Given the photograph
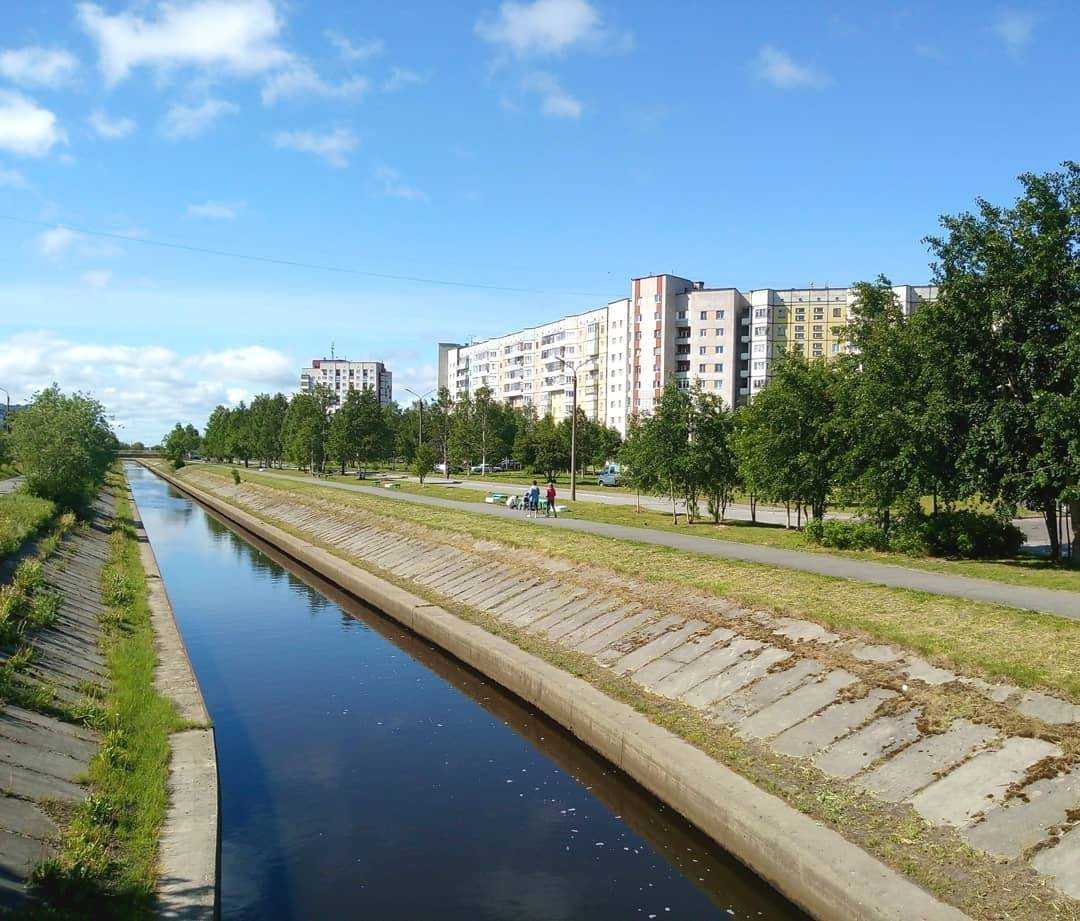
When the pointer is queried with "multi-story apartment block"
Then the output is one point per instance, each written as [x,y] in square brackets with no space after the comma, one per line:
[810,321]
[341,376]
[670,328]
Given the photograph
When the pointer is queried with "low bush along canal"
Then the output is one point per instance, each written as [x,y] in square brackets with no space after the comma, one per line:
[366,774]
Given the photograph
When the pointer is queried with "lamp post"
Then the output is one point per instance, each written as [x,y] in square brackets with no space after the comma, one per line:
[7,412]
[420,400]
[573,422]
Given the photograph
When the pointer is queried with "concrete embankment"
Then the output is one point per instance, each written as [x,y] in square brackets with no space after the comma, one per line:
[189,849]
[812,865]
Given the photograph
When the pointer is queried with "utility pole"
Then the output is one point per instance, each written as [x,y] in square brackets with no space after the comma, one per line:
[420,400]
[573,422]
[7,412]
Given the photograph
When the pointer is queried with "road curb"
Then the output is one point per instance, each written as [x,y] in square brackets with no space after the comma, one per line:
[814,866]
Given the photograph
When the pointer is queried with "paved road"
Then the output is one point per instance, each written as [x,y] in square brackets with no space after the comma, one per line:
[1050,601]
[10,485]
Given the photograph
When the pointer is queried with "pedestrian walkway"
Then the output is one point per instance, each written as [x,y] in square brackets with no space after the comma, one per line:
[1048,601]
[10,485]
[1000,774]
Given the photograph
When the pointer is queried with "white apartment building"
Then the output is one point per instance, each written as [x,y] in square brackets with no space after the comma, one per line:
[670,328]
[342,375]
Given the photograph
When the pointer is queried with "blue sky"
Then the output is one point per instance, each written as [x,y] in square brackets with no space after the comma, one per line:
[554,145]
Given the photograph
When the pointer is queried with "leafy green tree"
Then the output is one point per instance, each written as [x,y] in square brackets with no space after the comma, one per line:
[1004,329]
[374,437]
[713,466]
[438,426]
[176,446]
[751,455]
[343,433]
[267,417]
[216,438]
[63,445]
[523,448]
[304,430]
[664,451]
[423,462]
[635,461]
[551,451]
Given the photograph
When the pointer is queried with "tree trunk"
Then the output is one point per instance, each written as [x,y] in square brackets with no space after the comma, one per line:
[935,501]
[674,511]
[787,512]
[753,508]
[1050,516]
[1074,520]
[798,516]
[885,521]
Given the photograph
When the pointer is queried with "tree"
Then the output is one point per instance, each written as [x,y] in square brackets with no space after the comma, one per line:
[1006,337]
[63,445]
[216,440]
[423,462]
[304,430]
[438,427]
[374,437]
[176,445]
[267,416]
[635,462]
[551,452]
[344,433]
[663,450]
[713,465]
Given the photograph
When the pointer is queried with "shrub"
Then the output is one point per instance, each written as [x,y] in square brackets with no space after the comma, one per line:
[954,534]
[235,476]
[847,535]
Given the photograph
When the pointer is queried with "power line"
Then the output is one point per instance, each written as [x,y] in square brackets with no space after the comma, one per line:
[292,263]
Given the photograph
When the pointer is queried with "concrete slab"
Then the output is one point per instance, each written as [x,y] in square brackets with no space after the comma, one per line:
[606,638]
[41,760]
[584,602]
[587,616]
[29,784]
[742,673]
[856,752]
[649,675]
[692,683]
[1048,709]
[643,655]
[999,693]
[645,634]
[820,731]
[972,788]
[803,631]
[920,764]
[766,691]
[796,706]
[1021,822]
[24,818]
[1062,863]
[869,653]
[574,639]
[920,670]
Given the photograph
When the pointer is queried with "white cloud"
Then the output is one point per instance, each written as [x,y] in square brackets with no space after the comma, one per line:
[333,146]
[554,100]
[184,121]
[146,388]
[355,51]
[391,185]
[37,66]
[300,79]
[542,27]
[216,210]
[26,129]
[111,129]
[400,78]
[779,69]
[1016,28]
[57,241]
[238,36]
[12,179]
[97,278]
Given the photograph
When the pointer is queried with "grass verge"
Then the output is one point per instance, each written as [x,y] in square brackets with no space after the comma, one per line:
[106,863]
[975,638]
[21,517]
[1027,571]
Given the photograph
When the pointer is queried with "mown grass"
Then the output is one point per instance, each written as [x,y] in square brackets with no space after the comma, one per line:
[21,517]
[106,863]
[1030,572]
[979,639]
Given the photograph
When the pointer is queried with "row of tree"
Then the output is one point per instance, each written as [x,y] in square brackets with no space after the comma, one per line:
[977,394]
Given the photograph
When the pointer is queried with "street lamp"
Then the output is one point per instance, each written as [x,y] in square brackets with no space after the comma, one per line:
[573,422]
[420,400]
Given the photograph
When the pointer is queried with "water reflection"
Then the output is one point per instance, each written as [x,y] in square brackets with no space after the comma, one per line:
[366,774]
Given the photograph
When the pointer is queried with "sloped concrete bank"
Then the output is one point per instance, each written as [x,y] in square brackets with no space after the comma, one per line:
[810,864]
[190,838]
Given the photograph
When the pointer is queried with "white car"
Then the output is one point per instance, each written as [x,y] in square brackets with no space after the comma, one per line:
[609,476]
[482,468]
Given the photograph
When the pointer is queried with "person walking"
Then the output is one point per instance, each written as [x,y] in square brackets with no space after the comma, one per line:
[534,499]
[551,511]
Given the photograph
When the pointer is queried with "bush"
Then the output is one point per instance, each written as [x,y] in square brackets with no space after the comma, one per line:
[21,516]
[965,534]
[235,476]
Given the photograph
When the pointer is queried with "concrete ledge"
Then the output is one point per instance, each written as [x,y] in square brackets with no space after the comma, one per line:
[815,867]
[188,858]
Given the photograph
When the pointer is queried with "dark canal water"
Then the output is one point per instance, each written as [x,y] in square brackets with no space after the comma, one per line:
[365,774]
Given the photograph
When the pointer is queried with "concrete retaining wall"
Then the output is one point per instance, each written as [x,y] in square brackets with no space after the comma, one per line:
[189,849]
[815,867]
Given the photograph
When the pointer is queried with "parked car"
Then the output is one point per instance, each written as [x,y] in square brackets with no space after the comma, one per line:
[442,468]
[609,476]
[483,468]
[507,463]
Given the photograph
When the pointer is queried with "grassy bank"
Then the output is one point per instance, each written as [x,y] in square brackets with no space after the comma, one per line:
[21,517]
[979,639]
[1031,572]
[106,863]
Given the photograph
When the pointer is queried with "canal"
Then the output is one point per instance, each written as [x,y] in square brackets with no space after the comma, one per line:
[365,774]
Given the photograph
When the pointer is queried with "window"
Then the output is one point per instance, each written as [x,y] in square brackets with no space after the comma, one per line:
[718,367]
[703,350]
[656,298]
[836,311]
[719,314]
[681,315]
[760,330]
[704,315]
[719,331]
[718,350]
[761,313]
[701,369]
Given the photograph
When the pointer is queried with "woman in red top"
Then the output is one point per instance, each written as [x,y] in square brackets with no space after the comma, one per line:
[550,496]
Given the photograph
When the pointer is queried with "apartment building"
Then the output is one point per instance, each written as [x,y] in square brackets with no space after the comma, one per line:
[342,375]
[810,321]
[669,328]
